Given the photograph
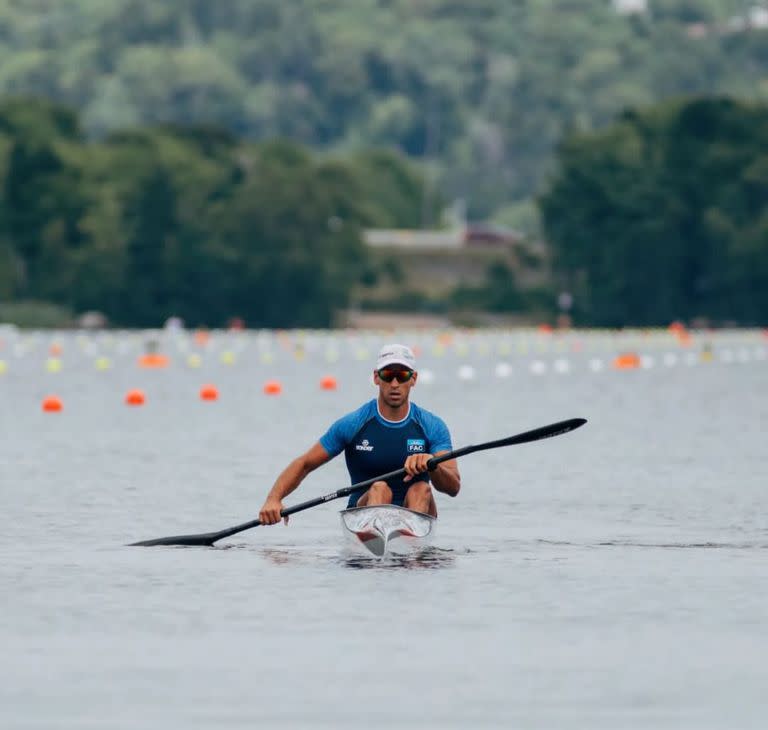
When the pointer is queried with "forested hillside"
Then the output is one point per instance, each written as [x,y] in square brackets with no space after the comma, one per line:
[481,89]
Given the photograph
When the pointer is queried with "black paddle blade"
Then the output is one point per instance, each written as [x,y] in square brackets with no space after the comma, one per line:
[205,540]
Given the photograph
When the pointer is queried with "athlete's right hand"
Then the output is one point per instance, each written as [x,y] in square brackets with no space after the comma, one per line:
[270,512]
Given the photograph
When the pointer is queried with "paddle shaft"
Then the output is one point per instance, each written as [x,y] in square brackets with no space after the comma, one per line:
[554,429]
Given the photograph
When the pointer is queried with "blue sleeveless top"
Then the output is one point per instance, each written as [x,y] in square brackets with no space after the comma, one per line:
[372,445]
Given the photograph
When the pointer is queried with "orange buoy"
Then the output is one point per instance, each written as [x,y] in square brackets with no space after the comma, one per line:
[328,383]
[154,360]
[55,349]
[201,337]
[627,361]
[545,329]
[209,392]
[135,398]
[52,404]
[273,387]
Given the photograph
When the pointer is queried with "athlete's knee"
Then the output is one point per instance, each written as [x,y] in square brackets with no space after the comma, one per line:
[420,490]
[380,493]
[419,496]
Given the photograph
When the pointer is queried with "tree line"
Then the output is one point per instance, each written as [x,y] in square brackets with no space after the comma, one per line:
[661,215]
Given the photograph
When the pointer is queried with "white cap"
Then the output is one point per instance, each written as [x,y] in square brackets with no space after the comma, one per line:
[396,355]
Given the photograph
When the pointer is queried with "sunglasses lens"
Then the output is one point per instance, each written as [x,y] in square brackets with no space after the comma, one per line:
[389,374]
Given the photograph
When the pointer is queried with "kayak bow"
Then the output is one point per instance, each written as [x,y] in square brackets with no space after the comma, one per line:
[386,528]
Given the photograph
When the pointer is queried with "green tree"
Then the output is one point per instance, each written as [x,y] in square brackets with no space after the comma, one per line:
[290,243]
[662,216]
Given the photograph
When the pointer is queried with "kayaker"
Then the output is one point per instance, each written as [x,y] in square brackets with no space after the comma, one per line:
[383,435]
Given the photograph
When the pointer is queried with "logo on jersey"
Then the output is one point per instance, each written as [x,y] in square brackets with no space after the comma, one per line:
[365,446]
[416,445]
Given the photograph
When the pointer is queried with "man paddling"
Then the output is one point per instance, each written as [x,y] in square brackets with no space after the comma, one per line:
[386,434]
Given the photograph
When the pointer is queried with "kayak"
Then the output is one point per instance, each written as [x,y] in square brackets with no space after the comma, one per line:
[386,529]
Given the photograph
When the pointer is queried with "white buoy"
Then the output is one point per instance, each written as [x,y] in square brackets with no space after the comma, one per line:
[503,370]
[426,376]
[538,367]
[647,362]
[726,356]
[670,359]
[596,365]
[466,372]
[562,366]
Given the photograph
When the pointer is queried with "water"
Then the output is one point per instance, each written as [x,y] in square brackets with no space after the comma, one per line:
[614,577]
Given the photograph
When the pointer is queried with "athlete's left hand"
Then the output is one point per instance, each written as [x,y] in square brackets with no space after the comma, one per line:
[416,464]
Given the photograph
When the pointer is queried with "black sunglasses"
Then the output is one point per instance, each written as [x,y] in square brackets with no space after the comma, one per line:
[403,375]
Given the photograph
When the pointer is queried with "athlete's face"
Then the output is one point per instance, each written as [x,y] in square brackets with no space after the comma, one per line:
[394,393]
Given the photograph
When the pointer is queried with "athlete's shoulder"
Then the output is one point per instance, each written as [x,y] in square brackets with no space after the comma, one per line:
[422,414]
[343,429]
[434,427]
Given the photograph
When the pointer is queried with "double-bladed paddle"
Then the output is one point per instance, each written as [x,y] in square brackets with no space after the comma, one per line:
[208,538]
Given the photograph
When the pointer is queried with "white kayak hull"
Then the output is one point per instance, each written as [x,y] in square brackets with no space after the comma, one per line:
[386,529]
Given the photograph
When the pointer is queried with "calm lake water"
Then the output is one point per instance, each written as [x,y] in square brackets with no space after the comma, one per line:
[614,577]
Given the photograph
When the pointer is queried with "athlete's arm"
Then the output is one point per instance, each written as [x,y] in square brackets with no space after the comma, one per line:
[445,477]
[289,479]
